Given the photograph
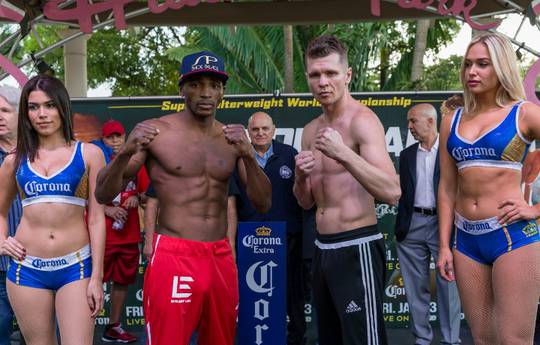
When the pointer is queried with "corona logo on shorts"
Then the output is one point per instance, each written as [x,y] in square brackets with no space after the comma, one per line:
[41,263]
[530,230]
[181,290]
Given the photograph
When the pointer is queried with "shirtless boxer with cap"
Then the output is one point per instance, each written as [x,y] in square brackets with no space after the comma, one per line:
[191,279]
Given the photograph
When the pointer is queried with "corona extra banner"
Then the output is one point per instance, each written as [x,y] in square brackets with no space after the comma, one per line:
[262,275]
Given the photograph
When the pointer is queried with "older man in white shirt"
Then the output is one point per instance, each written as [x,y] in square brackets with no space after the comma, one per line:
[417,231]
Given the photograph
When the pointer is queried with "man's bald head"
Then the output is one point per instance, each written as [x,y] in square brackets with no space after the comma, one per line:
[422,122]
[261,130]
[260,116]
[425,109]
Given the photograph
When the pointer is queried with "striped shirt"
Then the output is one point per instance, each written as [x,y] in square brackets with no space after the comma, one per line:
[14,217]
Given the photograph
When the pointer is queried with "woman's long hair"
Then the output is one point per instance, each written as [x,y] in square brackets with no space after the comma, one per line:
[27,136]
[505,65]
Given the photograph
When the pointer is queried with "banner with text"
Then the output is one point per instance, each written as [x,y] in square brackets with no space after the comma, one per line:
[290,114]
[262,278]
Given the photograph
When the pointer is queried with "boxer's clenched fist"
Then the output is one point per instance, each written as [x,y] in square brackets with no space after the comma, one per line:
[329,142]
[236,136]
[140,137]
[304,163]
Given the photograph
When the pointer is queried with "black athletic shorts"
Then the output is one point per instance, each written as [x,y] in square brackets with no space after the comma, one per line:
[348,282]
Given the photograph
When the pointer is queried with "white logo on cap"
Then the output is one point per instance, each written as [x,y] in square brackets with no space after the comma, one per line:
[207,60]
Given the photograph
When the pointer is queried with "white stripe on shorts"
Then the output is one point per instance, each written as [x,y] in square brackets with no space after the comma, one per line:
[355,242]
[370,299]
[155,249]
[148,333]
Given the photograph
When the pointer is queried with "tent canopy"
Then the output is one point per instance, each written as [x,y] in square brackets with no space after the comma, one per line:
[242,12]
[271,12]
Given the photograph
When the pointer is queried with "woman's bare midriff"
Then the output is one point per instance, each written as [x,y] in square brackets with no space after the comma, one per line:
[481,190]
[49,230]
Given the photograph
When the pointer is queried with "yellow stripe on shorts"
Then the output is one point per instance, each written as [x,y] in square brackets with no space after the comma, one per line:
[508,238]
[81,266]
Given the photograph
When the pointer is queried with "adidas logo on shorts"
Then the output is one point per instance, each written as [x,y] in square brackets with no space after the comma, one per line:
[352,307]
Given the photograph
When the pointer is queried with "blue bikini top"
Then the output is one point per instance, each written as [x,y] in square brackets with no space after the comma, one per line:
[501,147]
[68,185]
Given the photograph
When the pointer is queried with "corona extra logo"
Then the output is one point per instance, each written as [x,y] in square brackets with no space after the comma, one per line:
[263,231]
[530,230]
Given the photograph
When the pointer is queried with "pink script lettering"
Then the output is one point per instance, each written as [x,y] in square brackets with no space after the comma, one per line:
[10,68]
[530,81]
[155,7]
[6,12]
[456,8]
[84,11]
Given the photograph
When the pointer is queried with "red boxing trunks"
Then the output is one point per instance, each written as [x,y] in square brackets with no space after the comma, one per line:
[121,263]
[188,286]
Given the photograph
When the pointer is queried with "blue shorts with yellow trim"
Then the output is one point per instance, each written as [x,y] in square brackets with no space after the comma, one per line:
[51,273]
[485,240]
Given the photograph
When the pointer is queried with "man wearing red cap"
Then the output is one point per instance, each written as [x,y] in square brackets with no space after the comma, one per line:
[123,237]
[191,281]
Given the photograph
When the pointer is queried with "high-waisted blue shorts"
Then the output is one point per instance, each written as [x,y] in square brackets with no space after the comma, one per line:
[51,273]
[485,240]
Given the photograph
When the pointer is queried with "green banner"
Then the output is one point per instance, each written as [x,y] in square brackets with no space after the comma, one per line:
[290,114]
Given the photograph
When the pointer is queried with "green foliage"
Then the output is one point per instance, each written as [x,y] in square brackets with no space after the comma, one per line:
[49,35]
[380,53]
[254,56]
[440,34]
[443,75]
[134,61]
[145,61]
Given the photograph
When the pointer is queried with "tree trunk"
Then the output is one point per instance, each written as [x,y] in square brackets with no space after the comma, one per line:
[289,58]
[385,63]
[420,42]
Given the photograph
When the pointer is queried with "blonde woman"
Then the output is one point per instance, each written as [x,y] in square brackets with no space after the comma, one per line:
[496,252]
[56,264]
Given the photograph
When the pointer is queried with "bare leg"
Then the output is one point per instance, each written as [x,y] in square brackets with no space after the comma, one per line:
[74,315]
[474,284]
[516,284]
[118,297]
[34,309]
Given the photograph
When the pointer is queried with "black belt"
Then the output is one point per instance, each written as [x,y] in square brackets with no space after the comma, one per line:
[426,211]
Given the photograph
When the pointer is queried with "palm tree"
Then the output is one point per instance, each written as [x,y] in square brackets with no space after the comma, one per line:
[420,43]
[288,58]
[259,57]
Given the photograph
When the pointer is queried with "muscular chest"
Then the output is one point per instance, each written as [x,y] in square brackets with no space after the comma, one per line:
[193,157]
[325,165]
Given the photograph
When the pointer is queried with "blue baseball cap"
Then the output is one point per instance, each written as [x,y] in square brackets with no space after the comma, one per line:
[202,62]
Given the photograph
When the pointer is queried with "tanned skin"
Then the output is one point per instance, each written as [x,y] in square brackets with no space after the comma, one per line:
[189,157]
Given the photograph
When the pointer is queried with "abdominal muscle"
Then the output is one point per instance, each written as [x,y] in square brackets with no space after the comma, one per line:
[49,230]
[482,190]
[342,203]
